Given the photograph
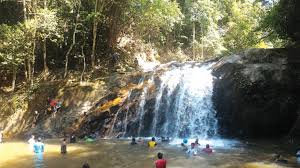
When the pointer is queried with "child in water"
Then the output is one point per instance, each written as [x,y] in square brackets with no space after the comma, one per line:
[192,151]
[160,163]
[207,149]
[63,147]
[152,143]
[133,141]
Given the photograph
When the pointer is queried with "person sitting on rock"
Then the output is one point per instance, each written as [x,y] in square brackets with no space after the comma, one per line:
[207,149]
[53,104]
[63,147]
[133,141]
[152,143]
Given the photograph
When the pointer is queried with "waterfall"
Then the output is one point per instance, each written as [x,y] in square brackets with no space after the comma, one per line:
[180,105]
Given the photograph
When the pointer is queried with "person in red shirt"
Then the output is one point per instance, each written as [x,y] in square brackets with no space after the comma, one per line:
[160,163]
[207,150]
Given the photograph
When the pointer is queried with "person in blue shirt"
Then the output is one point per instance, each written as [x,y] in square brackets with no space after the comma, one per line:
[38,147]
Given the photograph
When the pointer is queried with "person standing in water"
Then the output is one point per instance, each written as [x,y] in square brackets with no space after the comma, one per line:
[38,146]
[1,136]
[63,147]
[160,163]
[133,141]
[31,142]
[152,143]
[192,151]
[207,149]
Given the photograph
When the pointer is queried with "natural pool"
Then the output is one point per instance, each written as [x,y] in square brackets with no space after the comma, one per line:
[119,154]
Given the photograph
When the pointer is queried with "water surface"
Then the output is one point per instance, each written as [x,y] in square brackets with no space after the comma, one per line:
[118,154]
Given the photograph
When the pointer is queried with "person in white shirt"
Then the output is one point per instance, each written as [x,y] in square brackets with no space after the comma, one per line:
[1,136]
[192,151]
[31,142]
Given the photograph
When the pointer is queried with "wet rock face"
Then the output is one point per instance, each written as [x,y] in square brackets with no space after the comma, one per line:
[254,95]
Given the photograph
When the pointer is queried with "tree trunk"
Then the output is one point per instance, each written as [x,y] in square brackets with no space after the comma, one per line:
[95,26]
[14,77]
[33,58]
[73,43]
[202,45]
[46,69]
[194,36]
[84,64]
[26,69]
[29,70]
[24,10]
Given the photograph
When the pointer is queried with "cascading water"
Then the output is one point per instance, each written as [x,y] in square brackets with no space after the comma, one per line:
[179,106]
[183,106]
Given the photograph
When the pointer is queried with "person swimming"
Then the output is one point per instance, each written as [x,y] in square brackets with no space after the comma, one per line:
[63,147]
[38,146]
[160,163]
[192,151]
[133,142]
[152,143]
[207,149]
[184,144]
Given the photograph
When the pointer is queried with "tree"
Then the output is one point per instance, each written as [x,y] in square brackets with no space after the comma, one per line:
[243,22]
[13,49]
[48,28]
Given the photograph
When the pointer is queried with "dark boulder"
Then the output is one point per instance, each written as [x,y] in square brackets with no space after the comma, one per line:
[254,94]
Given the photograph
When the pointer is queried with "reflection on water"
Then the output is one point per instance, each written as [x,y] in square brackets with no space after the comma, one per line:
[38,160]
[119,154]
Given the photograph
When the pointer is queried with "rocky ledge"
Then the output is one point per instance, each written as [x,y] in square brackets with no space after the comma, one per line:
[255,93]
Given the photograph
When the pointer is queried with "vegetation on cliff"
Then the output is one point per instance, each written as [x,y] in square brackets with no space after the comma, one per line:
[90,36]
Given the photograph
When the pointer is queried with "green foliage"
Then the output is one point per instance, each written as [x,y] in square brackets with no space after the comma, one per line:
[242,23]
[14,46]
[152,17]
[282,22]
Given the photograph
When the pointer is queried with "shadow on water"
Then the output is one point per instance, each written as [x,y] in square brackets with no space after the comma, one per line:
[118,154]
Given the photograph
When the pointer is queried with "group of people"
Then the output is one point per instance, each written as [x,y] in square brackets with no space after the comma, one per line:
[53,105]
[36,145]
[193,150]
